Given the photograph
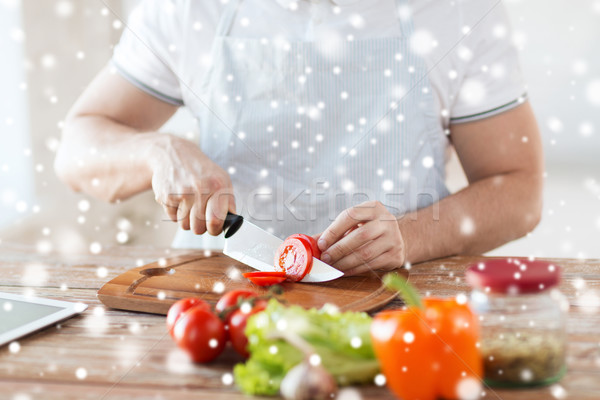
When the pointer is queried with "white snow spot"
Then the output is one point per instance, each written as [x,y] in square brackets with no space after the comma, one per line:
[83,205]
[592,92]
[356,342]
[101,272]
[468,389]
[314,360]
[519,39]
[347,185]
[14,347]
[499,31]
[122,237]
[461,298]
[464,53]
[380,379]
[227,378]
[387,185]
[135,327]
[555,124]
[422,42]
[408,337]
[357,21]
[48,61]
[579,67]
[427,161]
[81,373]
[526,375]
[95,248]
[472,92]
[467,226]
[498,71]
[586,129]
[218,287]
[589,301]
[558,391]
[64,9]
[35,274]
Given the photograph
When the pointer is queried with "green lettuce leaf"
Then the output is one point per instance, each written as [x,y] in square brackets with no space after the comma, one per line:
[342,340]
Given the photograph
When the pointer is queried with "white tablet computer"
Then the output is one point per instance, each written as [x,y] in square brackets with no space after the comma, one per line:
[22,315]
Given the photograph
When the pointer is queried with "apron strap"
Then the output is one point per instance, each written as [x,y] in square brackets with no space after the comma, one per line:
[406,23]
[227,18]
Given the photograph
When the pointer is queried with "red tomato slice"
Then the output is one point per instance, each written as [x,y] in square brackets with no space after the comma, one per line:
[295,257]
[262,278]
[313,243]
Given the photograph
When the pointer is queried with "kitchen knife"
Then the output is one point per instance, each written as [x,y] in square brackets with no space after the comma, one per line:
[255,247]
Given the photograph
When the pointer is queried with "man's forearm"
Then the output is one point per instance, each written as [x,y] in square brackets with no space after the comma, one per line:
[484,215]
[105,159]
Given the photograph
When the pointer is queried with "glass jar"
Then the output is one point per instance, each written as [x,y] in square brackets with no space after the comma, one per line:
[522,318]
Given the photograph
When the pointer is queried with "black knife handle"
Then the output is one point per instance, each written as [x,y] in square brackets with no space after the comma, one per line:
[231,224]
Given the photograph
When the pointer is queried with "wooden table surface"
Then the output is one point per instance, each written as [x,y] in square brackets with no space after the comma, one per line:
[111,354]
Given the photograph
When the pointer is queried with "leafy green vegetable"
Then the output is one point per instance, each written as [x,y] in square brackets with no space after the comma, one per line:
[342,340]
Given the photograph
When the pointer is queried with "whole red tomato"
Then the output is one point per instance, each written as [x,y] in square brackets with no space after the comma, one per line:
[201,334]
[230,299]
[237,326]
[180,307]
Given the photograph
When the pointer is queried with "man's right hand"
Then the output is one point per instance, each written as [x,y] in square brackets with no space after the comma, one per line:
[193,190]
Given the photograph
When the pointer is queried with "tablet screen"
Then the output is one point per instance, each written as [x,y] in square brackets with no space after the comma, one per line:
[14,313]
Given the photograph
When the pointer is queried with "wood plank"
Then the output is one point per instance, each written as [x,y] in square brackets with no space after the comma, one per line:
[155,287]
[132,351]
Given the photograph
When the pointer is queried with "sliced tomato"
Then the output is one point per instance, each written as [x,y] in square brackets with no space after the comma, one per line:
[311,240]
[265,278]
[295,257]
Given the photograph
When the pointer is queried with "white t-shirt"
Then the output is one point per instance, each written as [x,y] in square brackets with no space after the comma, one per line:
[473,65]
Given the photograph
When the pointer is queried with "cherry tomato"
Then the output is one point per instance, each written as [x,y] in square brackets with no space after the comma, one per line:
[180,307]
[313,243]
[201,334]
[231,299]
[237,326]
[261,278]
[294,256]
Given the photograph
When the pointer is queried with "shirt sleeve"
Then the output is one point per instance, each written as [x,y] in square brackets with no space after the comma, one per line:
[146,52]
[493,81]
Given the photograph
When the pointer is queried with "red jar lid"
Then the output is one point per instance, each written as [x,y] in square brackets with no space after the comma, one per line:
[513,275]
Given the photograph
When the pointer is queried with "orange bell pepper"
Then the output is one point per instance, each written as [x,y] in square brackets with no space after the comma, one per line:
[429,349]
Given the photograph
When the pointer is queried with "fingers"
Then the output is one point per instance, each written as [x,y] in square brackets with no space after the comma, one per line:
[216,210]
[171,205]
[353,241]
[381,263]
[197,219]
[183,212]
[366,254]
[347,220]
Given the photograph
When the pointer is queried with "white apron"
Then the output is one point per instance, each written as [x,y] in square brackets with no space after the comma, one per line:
[308,129]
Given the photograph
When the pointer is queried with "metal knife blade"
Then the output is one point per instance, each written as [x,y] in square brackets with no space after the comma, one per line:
[256,248]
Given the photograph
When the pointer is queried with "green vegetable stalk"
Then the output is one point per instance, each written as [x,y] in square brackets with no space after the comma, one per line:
[342,341]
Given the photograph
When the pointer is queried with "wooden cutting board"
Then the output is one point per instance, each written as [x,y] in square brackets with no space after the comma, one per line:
[154,287]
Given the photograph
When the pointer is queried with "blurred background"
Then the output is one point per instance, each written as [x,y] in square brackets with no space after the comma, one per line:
[51,49]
